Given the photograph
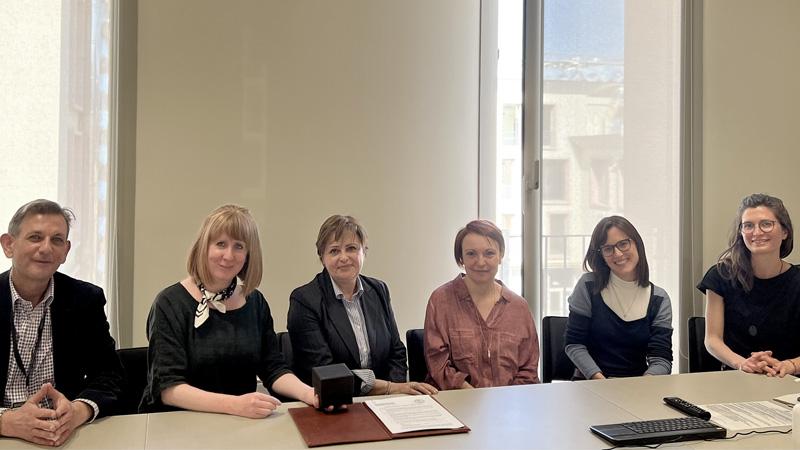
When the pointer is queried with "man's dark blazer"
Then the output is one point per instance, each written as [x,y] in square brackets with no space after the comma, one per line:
[84,359]
[321,333]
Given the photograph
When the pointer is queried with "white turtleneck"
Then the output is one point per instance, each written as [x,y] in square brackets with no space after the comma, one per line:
[627,299]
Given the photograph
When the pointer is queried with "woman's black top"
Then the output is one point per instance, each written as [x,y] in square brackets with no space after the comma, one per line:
[766,318]
[223,355]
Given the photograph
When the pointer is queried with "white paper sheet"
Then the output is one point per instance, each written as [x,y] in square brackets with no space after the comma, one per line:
[789,399]
[747,416]
[412,413]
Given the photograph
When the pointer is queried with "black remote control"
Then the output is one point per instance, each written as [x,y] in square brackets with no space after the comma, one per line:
[687,408]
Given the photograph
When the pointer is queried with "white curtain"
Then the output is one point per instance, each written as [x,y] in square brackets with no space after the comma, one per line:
[56,137]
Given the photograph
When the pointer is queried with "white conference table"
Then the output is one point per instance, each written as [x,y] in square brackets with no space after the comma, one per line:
[109,433]
[642,397]
[542,416]
[500,418]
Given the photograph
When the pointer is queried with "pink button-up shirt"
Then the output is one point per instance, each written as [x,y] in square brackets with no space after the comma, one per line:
[461,346]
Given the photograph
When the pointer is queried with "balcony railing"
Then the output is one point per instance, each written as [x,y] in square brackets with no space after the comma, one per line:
[562,258]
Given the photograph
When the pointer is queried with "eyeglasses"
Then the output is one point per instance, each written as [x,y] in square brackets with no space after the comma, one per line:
[608,250]
[764,225]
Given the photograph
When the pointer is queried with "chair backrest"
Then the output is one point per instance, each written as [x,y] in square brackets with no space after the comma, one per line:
[285,344]
[134,365]
[417,367]
[555,363]
[699,358]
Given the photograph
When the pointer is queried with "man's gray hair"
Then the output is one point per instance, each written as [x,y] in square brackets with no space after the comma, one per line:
[40,206]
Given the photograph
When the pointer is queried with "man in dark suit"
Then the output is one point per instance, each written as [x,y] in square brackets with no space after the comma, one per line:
[58,364]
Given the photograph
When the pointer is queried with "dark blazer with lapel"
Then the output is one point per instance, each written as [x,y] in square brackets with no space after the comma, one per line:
[84,359]
[321,333]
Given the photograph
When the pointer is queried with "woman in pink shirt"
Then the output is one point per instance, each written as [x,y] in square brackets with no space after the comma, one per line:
[478,333]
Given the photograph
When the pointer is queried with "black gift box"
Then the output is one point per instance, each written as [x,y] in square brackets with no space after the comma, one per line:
[333,384]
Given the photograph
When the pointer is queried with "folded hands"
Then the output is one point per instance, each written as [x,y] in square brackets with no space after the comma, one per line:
[763,362]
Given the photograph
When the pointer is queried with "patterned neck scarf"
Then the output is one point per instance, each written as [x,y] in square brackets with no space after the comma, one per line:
[212,299]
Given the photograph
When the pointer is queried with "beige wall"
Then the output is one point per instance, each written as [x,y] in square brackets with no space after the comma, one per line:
[257,103]
[751,95]
[299,110]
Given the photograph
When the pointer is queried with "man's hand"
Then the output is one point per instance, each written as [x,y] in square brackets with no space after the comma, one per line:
[30,422]
[70,415]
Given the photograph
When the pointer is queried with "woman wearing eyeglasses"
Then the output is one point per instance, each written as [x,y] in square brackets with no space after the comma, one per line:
[620,324]
[753,295]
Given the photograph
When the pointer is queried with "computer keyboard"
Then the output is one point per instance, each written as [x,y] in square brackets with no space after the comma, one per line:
[658,431]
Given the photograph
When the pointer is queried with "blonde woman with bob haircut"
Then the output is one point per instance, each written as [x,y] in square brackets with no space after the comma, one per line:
[211,333]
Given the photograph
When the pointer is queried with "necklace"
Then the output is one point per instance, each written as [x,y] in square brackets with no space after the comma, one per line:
[780,269]
[497,291]
[768,277]
[629,299]
[614,291]
[491,299]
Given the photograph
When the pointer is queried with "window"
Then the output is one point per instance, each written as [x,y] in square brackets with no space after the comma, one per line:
[555,178]
[507,167]
[555,244]
[548,126]
[600,183]
[611,68]
[508,142]
[55,139]
[511,124]
[611,71]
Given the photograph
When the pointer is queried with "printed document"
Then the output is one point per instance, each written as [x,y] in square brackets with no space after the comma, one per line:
[789,399]
[412,413]
[747,416]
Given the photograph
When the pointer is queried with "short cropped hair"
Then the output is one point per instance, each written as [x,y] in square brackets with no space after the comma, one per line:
[484,228]
[337,225]
[236,222]
[39,206]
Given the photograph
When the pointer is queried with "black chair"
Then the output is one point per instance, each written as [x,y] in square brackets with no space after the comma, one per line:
[285,344]
[134,365]
[417,367]
[699,358]
[555,363]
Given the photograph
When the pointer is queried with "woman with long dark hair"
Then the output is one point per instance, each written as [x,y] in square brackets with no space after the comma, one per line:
[753,295]
[620,324]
